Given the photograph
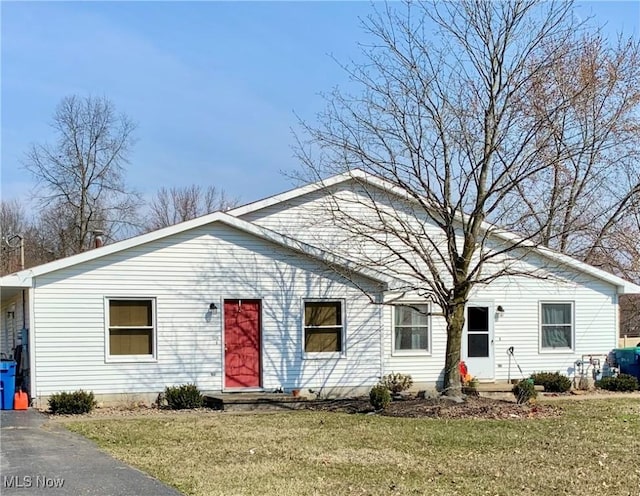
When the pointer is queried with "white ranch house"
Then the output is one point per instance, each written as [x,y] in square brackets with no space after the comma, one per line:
[261,298]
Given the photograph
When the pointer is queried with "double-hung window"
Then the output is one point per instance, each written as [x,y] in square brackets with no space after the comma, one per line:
[556,326]
[131,328]
[323,326]
[411,327]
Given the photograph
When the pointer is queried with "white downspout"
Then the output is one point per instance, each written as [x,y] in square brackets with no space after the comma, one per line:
[383,332]
[33,390]
[616,313]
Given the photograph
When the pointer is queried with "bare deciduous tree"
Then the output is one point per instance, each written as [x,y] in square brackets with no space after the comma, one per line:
[174,205]
[81,176]
[591,199]
[444,117]
[588,196]
[13,226]
[626,257]
[630,317]
[20,238]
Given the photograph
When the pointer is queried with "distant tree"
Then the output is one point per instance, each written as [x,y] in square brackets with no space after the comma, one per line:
[20,236]
[13,219]
[80,178]
[630,316]
[591,197]
[56,230]
[174,205]
[13,227]
[445,117]
[627,260]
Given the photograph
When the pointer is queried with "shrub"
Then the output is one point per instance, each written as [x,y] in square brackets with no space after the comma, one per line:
[524,391]
[397,383]
[379,397]
[183,397]
[553,382]
[74,403]
[471,387]
[623,382]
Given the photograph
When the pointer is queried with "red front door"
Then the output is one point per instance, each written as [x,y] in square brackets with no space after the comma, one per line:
[241,343]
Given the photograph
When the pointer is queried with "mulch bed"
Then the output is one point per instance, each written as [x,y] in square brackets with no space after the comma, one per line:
[443,408]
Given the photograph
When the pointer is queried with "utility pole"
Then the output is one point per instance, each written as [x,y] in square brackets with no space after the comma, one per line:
[19,245]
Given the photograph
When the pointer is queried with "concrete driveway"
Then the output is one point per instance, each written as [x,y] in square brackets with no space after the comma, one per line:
[40,457]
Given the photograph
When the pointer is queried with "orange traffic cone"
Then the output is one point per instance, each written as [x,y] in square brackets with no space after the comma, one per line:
[20,401]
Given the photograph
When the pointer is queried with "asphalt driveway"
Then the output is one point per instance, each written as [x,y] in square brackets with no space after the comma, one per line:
[43,458]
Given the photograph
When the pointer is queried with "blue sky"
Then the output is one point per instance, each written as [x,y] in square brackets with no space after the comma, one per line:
[213,86]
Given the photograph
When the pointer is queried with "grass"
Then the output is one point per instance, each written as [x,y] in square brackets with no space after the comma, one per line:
[594,446]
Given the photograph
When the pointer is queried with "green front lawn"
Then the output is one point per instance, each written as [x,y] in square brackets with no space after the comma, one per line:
[593,448]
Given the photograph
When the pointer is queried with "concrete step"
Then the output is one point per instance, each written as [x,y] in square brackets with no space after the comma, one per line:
[252,401]
[499,390]
[500,387]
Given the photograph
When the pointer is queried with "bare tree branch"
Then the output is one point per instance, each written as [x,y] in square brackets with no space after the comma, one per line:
[81,176]
[451,124]
[174,205]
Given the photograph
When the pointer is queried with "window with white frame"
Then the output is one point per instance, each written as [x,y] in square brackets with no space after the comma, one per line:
[323,326]
[556,325]
[131,327]
[411,327]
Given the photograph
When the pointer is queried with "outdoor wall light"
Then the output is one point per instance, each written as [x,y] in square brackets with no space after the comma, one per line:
[500,311]
[214,308]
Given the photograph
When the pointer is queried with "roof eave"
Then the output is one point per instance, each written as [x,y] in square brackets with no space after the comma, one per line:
[622,286]
[24,279]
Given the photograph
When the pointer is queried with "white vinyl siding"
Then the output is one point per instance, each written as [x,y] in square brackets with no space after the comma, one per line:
[594,323]
[595,302]
[185,273]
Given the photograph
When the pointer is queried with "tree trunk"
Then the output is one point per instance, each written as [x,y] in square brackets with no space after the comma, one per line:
[452,385]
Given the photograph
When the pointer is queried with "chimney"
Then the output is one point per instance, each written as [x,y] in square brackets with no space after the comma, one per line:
[98,238]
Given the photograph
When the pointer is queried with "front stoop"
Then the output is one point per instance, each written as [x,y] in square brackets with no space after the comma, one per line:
[252,401]
[499,390]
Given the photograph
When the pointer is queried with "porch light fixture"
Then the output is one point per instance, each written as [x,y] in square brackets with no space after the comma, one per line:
[500,311]
[213,308]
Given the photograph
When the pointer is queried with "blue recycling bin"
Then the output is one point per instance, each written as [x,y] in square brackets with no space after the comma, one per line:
[7,383]
[628,360]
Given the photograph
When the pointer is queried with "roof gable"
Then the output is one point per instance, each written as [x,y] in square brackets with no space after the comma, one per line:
[232,218]
[24,278]
[358,175]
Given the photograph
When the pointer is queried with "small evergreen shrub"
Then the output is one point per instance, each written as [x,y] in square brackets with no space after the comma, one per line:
[623,382]
[184,397]
[553,382]
[75,403]
[379,397]
[524,391]
[396,383]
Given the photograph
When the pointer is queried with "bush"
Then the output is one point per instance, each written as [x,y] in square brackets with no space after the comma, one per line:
[379,397]
[74,403]
[471,387]
[183,397]
[553,382]
[623,382]
[396,383]
[524,391]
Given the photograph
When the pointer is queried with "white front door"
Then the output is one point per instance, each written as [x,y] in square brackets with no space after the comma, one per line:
[477,340]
